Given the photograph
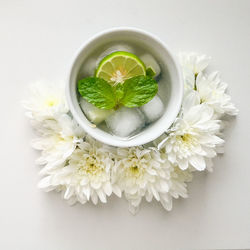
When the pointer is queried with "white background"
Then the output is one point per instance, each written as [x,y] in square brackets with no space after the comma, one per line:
[38,40]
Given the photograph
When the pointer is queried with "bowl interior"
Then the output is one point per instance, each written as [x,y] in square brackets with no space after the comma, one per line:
[170,85]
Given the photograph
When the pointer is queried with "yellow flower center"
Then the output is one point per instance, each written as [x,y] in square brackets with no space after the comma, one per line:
[52,101]
[188,140]
[90,166]
[135,170]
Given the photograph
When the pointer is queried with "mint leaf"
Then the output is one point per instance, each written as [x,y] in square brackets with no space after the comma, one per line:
[134,92]
[119,93]
[150,72]
[138,91]
[98,92]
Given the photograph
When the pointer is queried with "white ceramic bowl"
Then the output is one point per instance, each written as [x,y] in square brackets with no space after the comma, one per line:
[171,91]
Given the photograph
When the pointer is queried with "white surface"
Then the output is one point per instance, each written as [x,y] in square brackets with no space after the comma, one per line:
[37,41]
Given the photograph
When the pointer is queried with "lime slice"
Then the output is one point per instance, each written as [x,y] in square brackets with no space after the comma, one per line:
[120,66]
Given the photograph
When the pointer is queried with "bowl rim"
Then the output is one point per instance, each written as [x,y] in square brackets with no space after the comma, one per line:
[113,141]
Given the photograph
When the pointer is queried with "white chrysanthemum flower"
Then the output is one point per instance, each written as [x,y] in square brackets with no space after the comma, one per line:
[212,92]
[193,137]
[57,140]
[86,175]
[46,100]
[140,172]
[194,62]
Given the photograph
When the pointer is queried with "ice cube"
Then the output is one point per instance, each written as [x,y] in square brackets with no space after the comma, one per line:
[88,68]
[93,113]
[150,62]
[125,121]
[153,109]
[111,49]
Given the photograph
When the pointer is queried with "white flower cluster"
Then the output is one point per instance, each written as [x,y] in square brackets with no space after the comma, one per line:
[193,139]
[83,169]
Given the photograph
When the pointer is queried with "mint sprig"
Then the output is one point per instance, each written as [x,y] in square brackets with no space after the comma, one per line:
[134,92]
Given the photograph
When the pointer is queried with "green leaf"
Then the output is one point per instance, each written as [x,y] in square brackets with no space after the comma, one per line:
[150,72]
[119,93]
[98,92]
[138,91]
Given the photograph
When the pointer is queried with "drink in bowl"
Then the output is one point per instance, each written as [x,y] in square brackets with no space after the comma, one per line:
[124,87]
